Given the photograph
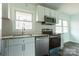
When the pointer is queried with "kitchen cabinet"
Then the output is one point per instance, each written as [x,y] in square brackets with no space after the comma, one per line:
[39,13]
[47,12]
[53,13]
[15,50]
[12,47]
[43,11]
[29,47]
[58,14]
[42,46]
[19,47]
[50,13]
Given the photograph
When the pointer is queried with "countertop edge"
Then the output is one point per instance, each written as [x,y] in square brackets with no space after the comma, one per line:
[26,36]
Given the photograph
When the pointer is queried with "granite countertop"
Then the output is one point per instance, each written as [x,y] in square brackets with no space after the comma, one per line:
[27,36]
[23,36]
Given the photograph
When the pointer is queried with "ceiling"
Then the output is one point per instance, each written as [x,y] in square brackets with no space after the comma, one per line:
[69,8]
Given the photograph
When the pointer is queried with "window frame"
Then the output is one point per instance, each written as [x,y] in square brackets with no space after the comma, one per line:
[23,20]
[62,27]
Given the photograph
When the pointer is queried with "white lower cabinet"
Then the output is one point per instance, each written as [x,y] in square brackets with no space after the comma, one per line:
[19,47]
[29,47]
[14,51]
[29,50]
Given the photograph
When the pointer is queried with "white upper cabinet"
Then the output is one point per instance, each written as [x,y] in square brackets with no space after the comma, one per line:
[58,16]
[53,13]
[39,13]
[47,12]
[44,11]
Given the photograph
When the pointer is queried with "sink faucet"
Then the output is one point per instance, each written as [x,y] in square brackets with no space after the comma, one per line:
[23,29]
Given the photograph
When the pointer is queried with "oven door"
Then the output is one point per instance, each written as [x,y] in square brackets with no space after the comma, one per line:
[54,42]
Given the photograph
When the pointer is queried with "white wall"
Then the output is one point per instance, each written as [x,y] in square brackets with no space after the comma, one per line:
[66,17]
[75,28]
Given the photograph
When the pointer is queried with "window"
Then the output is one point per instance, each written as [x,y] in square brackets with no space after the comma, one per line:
[62,27]
[65,26]
[59,27]
[23,20]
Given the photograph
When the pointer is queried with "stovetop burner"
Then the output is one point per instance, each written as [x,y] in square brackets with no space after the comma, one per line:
[47,31]
[50,33]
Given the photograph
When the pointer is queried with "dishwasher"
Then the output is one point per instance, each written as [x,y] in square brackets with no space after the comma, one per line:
[42,46]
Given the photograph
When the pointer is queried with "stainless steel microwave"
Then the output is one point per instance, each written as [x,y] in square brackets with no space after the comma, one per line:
[49,20]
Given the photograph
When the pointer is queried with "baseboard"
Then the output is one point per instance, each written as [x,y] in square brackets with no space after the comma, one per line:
[66,41]
[75,41]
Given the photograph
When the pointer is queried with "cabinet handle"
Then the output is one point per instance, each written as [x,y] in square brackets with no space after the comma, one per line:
[23,47]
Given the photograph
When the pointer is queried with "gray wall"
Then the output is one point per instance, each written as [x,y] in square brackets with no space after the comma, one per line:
[75,28]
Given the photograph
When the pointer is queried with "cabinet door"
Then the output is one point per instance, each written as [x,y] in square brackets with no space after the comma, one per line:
[57,17]
[13,47]
[29,47]
[40,14]
[15,50]
[42,46]
[53,14]
[47,12]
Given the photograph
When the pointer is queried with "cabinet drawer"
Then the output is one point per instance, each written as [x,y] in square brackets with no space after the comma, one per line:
[29,40]
[40,13]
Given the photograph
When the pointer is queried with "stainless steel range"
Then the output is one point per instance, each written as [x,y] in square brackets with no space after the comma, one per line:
[54,42]
[54,39]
